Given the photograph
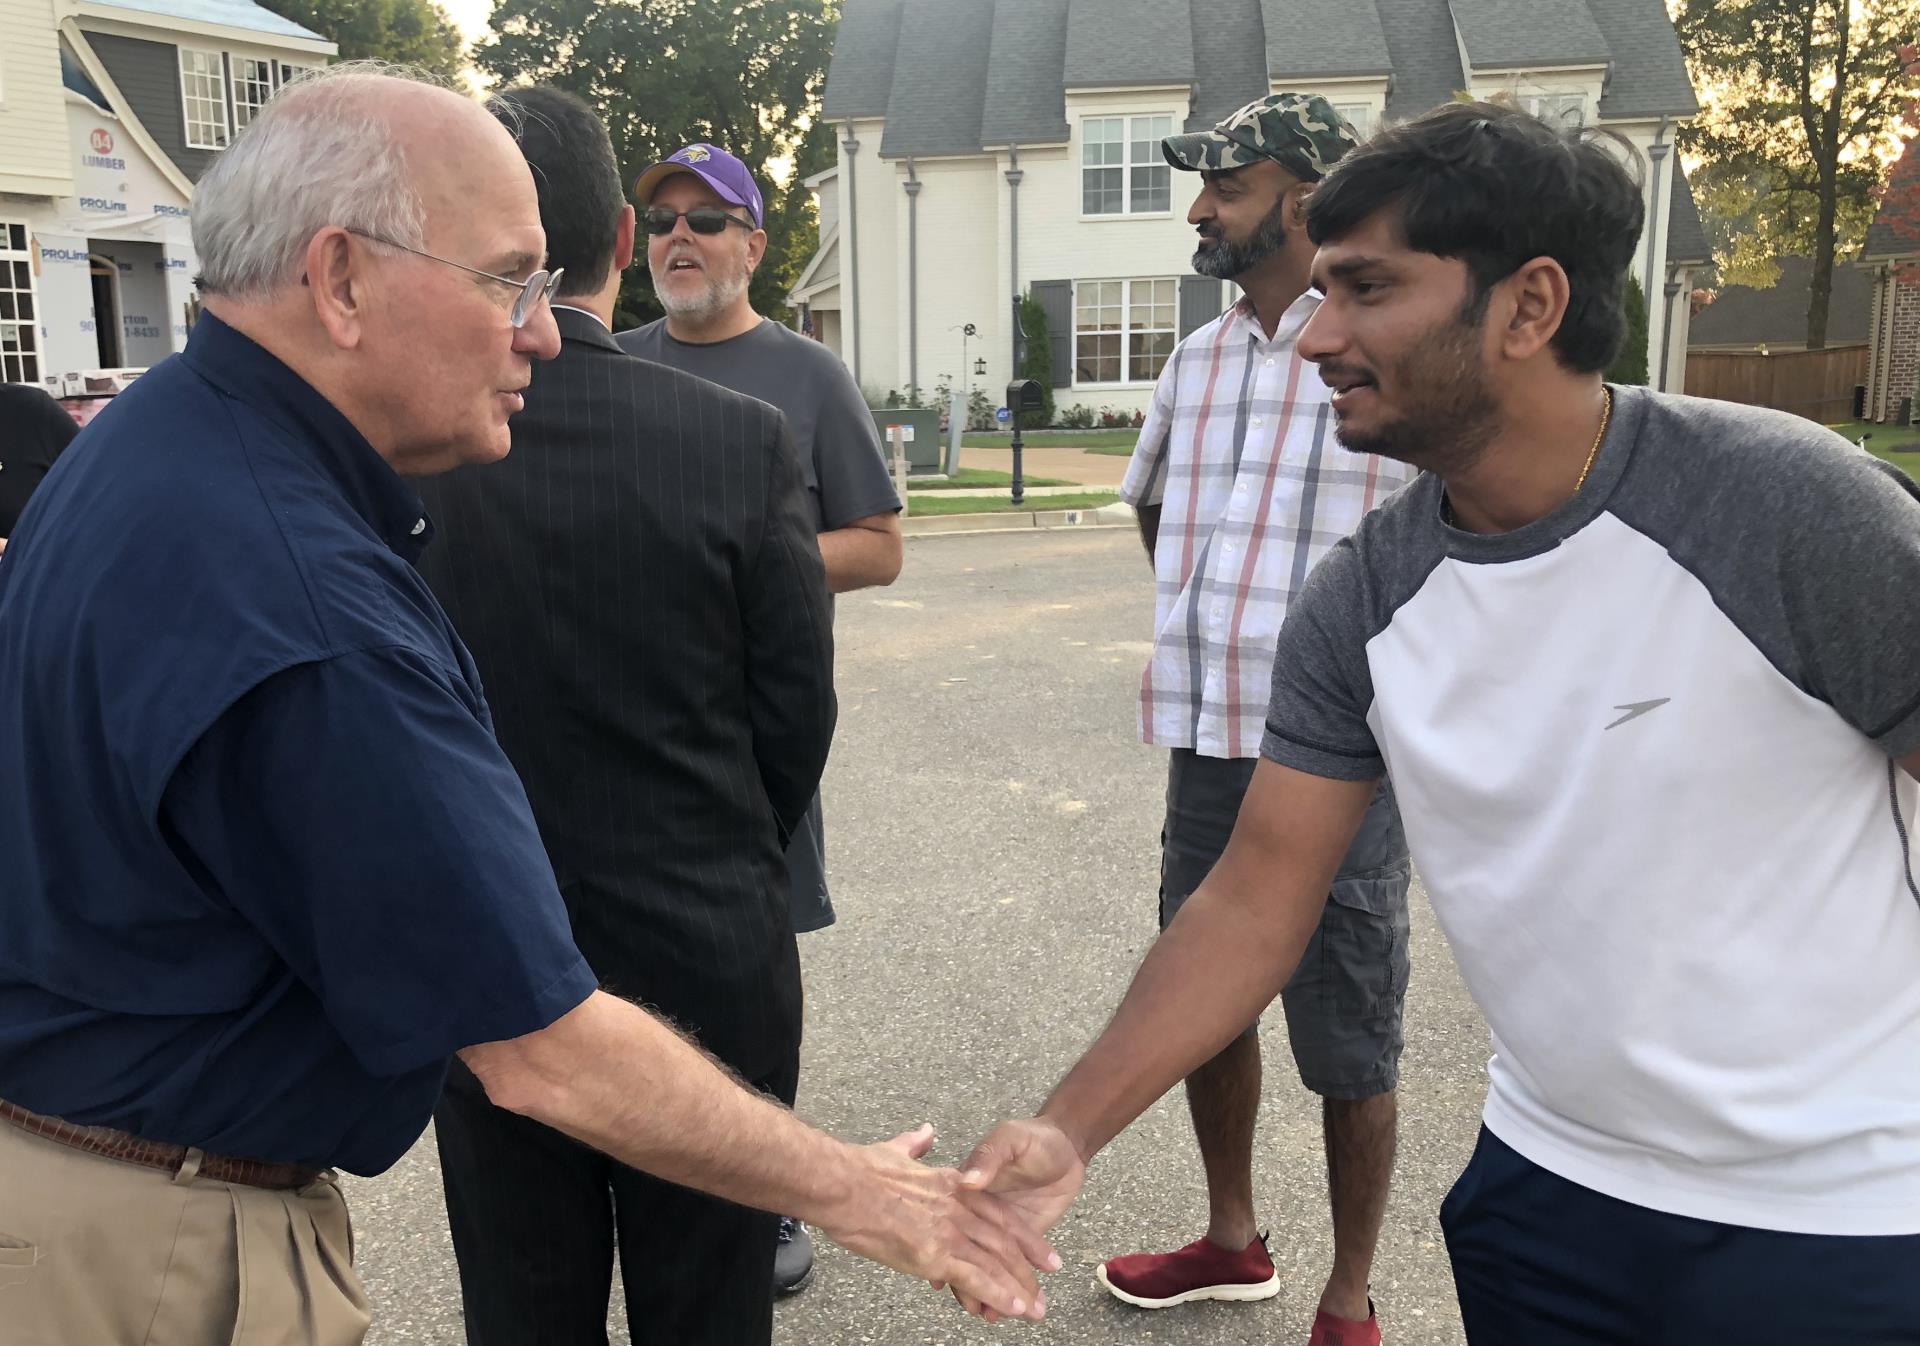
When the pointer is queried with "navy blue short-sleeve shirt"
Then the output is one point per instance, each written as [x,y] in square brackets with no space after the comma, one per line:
[263,867]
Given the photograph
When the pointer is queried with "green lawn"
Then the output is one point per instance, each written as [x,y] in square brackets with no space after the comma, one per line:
[980,476]
[1093,441]
[1896,444]
[920,506]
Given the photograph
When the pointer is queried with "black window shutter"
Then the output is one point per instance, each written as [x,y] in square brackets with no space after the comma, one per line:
[1056,300]
[1199,303]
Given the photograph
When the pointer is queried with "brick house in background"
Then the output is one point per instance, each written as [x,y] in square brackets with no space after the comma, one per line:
[994,147]
[1891,258]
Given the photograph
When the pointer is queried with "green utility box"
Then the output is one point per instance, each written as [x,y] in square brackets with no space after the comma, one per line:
[922,433]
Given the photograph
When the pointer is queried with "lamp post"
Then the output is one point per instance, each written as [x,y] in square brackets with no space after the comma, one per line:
[957,402]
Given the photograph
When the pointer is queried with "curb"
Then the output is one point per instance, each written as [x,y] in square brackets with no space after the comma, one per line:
[1023,521]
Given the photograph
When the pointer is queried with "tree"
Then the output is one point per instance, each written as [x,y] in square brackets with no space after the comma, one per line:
[1630,366]
[1036,362]
[1802,102]
[408,32]
[745,76]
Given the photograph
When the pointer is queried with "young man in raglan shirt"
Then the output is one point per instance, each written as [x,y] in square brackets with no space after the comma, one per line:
[1646,671]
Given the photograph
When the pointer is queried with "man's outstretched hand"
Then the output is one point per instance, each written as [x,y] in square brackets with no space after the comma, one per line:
[1032,1167]
[929,1223]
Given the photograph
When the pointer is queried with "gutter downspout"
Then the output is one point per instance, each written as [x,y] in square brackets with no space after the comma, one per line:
[1657,152]
[1015,175]
[1666,331]
[850,147]
[912,186]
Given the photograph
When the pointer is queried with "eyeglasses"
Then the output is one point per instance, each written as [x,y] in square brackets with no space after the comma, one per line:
[534,291]
[659,220]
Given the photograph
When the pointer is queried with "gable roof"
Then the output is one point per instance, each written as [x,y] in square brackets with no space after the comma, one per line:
[227,13]
[1686,236]
[1029,46]
[1742,316]
[1524,34]
[1113,42]
[1648,77]
[1229,71]
[939,78]
[1311,38]
[953,76]
[862,69]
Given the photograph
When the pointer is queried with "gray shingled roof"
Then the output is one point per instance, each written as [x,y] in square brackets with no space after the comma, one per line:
[1426,58]
[1884,239]
[861,78]
[1229,71]
[1686,236]
[1648,77]
[1740,316]
[1515,34]
[1308,38]
[939,78]
[954,75]
[1025,105]
[1128,42]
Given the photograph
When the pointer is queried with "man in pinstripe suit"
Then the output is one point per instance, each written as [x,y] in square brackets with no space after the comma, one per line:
[641,588]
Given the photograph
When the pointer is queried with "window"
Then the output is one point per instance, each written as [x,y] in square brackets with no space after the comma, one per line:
[1358,115]
[1122,171]
[19,326]
[1123,330]
[1562,109]
[203,96]
[290,73]
[253,85]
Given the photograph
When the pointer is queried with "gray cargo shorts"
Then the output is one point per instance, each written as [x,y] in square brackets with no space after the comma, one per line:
[1344,1002]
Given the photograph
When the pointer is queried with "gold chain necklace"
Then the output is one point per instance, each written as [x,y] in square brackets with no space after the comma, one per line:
[1606,414]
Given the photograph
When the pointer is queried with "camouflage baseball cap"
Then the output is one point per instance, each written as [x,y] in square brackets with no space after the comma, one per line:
[1299,131]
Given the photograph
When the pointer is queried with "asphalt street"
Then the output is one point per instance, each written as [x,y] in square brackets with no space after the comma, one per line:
[992,827]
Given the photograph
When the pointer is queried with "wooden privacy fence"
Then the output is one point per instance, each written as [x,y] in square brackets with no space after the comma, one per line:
[1816,384]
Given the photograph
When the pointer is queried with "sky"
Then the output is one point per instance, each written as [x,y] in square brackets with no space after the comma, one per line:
[469,16]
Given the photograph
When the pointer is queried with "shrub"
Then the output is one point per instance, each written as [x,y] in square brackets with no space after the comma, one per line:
[1037,363]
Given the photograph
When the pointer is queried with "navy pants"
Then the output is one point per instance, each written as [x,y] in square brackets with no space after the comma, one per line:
[1541,1261]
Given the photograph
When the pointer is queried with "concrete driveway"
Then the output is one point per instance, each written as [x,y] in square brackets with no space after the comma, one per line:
[992,828]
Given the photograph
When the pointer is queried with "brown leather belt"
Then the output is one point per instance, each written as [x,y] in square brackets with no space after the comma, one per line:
[112,1144]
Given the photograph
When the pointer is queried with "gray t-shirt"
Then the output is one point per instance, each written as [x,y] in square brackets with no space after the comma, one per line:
[1644,750]
[839,447]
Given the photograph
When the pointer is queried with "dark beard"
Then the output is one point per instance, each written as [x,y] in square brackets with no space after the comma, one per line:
[1455,415]
[1225,259]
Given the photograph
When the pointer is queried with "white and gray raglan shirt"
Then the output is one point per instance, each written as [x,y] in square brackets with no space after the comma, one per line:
[1644,749]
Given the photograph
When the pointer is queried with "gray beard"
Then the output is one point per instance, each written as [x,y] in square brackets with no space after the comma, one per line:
[1224,259]
[715,297]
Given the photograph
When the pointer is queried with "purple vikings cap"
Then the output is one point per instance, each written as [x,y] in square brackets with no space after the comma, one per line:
[712,165]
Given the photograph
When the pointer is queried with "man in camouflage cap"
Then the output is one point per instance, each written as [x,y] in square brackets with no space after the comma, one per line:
[1299,131]
[1240,489]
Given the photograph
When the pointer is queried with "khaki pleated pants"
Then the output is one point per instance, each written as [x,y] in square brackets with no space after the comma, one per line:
[97,1252]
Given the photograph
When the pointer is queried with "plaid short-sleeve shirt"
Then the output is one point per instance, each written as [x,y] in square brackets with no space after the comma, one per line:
[1239,452]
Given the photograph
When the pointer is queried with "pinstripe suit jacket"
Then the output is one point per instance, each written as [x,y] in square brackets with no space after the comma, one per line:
[641,587]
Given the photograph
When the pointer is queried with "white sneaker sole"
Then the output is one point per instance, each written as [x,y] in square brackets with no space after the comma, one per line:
[1266,1289]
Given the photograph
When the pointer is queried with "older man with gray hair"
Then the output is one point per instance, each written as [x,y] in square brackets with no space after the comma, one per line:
[268,869]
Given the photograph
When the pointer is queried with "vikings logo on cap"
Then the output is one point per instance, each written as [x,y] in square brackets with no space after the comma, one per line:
[727,176]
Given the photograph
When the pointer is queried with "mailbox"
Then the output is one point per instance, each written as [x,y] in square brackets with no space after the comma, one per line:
[1026,395]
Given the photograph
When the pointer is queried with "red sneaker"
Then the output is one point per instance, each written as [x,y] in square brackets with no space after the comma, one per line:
[1201,1270]
[1331,1331]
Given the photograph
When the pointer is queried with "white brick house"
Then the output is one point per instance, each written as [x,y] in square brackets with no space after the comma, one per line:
[993,147]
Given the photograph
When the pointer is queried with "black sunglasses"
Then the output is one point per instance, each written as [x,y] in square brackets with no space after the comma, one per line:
[659,220]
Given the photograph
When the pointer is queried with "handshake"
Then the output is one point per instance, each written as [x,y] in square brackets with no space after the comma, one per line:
[977,1230]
